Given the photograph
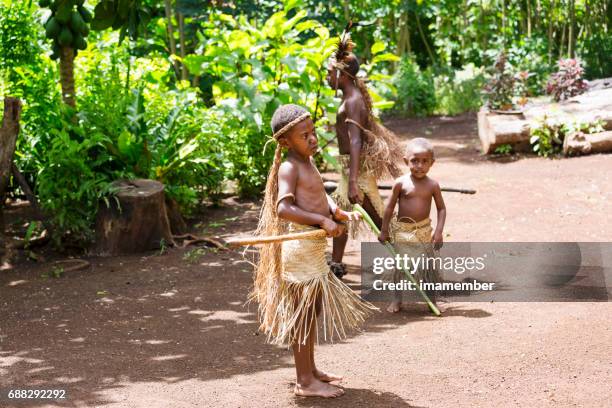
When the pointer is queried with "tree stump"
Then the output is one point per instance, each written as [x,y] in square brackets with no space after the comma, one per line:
[139,223]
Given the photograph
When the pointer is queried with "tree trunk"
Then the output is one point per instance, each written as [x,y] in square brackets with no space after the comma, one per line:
[181,23]
[550,31]
[528,18]
[571,34]
[536,16]
[138,224]
[392,33]
[562,43]
[67,75]
[424,38]
[170,30]
[503,18]
[403,40]
[407,28]
[8,139]
[347,12]
[587,18]
[483,18]
[464,11]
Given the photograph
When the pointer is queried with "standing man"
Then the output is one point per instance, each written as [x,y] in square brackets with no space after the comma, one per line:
[368,151]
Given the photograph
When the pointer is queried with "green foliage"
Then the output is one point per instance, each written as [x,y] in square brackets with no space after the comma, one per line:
[67,25]
[547,138]
[595,52]
[27,74]
[128,16]
[459,91]
[152,131]
[499,89]
[415,89]
[528,55]
[256,68]
[18,38]
[568,81]
[37,86]
[55,272]
[71,183]
[503,149]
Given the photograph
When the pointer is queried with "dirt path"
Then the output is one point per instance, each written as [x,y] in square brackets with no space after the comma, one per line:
[171,330]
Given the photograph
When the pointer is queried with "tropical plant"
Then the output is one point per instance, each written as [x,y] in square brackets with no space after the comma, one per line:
[459,91]
[547,138]
[67,27]
[256,69]
[70,185]
[499,90]
[415,89]
[568,81]
[595,51]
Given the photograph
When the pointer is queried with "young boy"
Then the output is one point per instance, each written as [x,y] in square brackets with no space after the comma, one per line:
[293,283]
[414,193]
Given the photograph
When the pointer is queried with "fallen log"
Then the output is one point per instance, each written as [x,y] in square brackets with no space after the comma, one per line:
[580,143]
[496,129]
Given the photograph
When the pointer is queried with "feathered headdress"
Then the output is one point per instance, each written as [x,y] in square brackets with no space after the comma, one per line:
[343,49]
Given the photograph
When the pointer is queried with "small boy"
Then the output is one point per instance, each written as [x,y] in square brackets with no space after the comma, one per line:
[293,282]
[414,193]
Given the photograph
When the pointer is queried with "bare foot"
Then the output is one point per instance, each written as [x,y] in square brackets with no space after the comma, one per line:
[318,388]
[326,377]
[394,307]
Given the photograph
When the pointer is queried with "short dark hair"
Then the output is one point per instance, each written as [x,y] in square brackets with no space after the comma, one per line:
[284,115]
[419,143]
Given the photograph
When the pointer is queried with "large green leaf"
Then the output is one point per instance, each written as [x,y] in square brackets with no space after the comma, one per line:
[273,26]
[377,47]
[385,57]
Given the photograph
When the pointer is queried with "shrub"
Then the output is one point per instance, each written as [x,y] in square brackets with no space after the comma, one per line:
[547,138]
[416,94]
[568,81]
[530,55]
[70,185]
[595,52]
[499,90]
[459,91]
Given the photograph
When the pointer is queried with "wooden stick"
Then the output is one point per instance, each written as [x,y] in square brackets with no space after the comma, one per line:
[279,238]
[190,239]
[330,186]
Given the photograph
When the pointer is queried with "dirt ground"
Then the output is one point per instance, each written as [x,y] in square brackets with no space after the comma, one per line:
[171,330]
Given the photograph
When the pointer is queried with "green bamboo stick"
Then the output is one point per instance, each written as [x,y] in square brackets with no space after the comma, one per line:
[393,252]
